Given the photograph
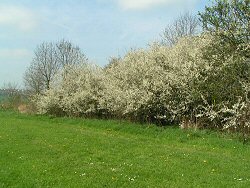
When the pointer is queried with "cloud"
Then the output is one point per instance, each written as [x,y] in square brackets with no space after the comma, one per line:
[18,17]
[14,53]
[147,4]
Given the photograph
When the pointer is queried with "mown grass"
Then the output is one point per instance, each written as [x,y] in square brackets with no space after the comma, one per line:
[37,151]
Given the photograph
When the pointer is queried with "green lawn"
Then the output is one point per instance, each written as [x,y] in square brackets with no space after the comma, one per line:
[40,151]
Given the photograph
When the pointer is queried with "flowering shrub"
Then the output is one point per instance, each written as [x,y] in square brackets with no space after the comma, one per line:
[154,84]
[49,103]
[188,83]
[75,91]
[225,96]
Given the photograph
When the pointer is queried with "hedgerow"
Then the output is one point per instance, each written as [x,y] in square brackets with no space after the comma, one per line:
[199,81]
[180,84]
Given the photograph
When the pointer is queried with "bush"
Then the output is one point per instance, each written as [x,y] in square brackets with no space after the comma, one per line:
[154,84]
[74,92]
[224,95]
[180,84]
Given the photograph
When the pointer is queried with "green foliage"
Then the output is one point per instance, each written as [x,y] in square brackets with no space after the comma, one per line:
[225,87]
[224,83]
[220,90]
[39,151]
[229,19]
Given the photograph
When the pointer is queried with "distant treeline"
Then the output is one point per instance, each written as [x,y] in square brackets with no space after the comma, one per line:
[3,95]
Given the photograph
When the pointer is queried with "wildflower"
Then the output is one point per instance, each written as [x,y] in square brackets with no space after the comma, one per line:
[131,179]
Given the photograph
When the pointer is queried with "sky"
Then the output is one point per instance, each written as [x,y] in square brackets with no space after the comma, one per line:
[101,28]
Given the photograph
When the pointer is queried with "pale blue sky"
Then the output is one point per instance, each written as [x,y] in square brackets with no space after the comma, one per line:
[101,28]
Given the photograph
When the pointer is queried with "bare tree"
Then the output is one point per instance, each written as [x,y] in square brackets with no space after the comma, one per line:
[68,54]
[33,80]
[45,63]
[186,25]
[49,59]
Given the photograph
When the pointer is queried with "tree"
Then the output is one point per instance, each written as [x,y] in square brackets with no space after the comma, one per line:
[68,54]
[33,80]
[185,25]
[45,63]
[230,21]
[113,61]
[49,59]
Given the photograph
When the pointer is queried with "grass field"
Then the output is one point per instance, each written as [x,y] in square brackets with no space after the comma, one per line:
[38,151]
